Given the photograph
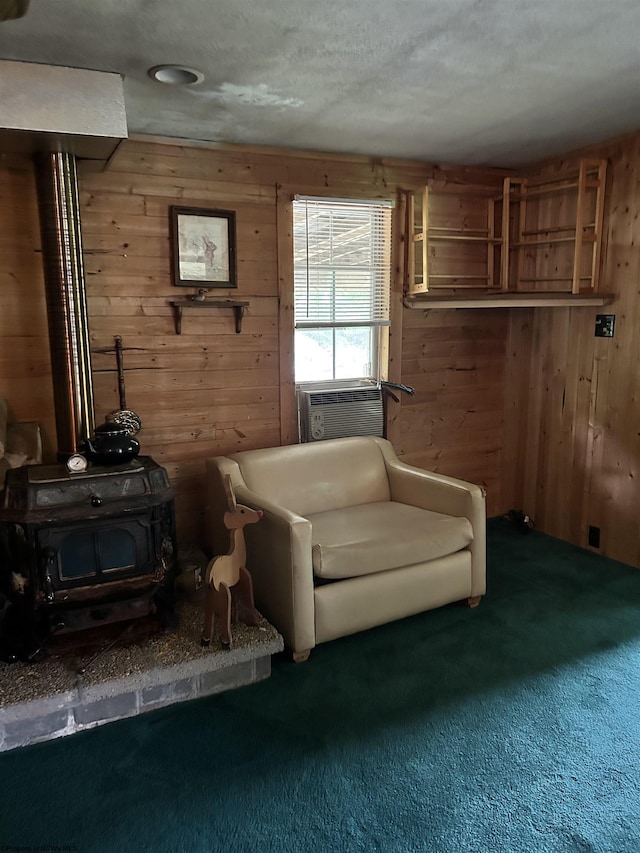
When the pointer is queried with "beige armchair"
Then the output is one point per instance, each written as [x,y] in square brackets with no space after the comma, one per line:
[350,536]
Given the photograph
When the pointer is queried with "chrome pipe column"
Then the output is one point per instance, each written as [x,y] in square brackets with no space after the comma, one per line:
[59,209]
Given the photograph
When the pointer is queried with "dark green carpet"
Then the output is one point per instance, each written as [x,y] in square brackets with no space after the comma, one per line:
[514,727]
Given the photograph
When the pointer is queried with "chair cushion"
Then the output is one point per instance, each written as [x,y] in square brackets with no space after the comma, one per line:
[376,537]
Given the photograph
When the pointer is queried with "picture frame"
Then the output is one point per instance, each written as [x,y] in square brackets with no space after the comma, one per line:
[203,247]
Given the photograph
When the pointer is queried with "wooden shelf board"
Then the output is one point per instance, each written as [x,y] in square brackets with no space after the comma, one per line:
[532,192]
[480,232]
[469,239]
[508,300]
[564,177]
[556,229]
[465,277]
[192,301]
[550,241]
[540,278]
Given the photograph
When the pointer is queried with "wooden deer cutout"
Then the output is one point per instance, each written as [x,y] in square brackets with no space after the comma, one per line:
[228,572]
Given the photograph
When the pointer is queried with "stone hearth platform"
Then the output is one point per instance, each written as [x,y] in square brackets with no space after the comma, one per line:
[51,699]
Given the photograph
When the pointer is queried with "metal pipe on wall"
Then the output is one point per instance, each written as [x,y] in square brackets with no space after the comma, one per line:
[59,210]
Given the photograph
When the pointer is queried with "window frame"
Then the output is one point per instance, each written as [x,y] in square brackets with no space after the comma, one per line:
[379,328]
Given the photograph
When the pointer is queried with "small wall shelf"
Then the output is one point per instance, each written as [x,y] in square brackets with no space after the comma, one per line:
[179,305]
[508,300]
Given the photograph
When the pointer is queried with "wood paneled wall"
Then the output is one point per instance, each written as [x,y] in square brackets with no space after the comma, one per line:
[571,454]
[529,403]
[210,391]
[25,367]
[455,360]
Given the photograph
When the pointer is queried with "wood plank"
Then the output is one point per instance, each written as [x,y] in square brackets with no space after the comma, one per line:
[128,306]
[182,190]
[204,412]
[576,422]
[195,324]
[231,442]
[168,380]
[391,343]
[192,343]
[286,318]
[145,359]
[155,436]
[181,400]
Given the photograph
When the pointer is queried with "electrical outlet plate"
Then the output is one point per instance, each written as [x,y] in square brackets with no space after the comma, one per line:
[594,536]
[605,324]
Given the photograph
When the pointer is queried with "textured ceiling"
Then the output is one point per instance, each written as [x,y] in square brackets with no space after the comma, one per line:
[497,82]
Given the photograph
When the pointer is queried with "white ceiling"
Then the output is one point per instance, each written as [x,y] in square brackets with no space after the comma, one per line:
[496,82]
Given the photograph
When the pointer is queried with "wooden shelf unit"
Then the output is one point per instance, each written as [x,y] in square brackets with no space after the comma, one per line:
[461,252]
[550,214]
[538,235]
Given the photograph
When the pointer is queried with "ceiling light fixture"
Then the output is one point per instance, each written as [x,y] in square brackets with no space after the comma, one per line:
[176,75]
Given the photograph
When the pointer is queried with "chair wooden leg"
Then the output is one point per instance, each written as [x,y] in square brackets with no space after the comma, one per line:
[473,600]
[300,657]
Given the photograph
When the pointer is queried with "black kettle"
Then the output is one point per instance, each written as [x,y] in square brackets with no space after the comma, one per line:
[111,445]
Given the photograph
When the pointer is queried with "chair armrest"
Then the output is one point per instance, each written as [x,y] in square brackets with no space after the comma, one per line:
[439,493]
[428,490]
[279,560]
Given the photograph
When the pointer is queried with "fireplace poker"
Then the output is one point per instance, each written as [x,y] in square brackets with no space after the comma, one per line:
[127,418]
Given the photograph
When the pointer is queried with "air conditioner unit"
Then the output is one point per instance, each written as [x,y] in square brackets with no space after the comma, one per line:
[340,412]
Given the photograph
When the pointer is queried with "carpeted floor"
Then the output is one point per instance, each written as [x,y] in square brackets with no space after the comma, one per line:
[507,729]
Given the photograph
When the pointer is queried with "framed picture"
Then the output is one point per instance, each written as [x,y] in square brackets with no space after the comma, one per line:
[203,245]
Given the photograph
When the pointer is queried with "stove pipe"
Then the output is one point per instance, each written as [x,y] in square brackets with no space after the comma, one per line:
[59,209]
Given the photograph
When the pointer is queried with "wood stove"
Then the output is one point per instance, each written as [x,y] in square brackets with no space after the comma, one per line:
[87,548]
[83,550]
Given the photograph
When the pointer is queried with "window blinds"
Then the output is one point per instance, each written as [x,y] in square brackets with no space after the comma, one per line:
[342,262]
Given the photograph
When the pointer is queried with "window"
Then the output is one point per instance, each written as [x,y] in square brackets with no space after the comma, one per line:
[342,271]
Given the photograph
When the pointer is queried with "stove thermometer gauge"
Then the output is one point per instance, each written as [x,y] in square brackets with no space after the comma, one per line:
[76,463]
